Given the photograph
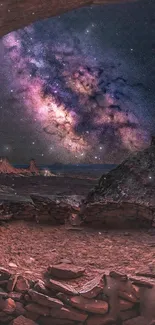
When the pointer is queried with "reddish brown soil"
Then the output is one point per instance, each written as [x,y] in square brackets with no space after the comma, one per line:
[32,247]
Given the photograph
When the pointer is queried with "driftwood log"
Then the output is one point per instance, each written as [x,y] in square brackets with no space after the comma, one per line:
[15,14]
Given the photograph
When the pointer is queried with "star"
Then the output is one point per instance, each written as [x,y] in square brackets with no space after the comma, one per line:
[71,92]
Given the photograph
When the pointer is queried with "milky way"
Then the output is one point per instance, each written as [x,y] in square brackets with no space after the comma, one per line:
[77,105]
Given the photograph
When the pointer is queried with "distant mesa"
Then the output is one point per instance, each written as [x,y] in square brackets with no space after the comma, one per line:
[32,170]
[33,167]
[125,197]
[6,167]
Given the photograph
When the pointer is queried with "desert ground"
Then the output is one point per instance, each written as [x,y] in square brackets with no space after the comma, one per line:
[29,248]
[32,247]
[49,185]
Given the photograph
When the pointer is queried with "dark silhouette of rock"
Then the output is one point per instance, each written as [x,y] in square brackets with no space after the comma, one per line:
[126,195]
[15,15]
[33,167]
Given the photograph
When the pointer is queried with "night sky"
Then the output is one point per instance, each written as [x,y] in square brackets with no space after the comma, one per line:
[79,88]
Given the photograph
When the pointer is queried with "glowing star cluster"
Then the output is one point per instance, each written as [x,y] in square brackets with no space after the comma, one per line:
[83,81]
[86,111]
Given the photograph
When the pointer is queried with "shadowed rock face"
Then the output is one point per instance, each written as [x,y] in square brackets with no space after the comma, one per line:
[126,195]
[18,14]
[51,209]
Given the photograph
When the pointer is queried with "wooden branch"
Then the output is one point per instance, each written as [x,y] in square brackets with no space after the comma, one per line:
[16,14]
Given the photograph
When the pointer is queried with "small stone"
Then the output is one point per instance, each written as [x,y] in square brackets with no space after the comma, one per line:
[125,305]
[22,284]
[69,313]
[30,260]
[30,315]
[139,320]
[21,320]
[27,297]
[3,283]
[38,309]
[118,276]
[4,274]
[3,294]
[127,296]
[65,261]
[13,265]
[65,271]
[17,296]
[40,287]
[59,287]
[136,291]
[6,319]
[20,310]
[146,274]
[101,320]
[8,306]
[89,305]
[12,282]
[141,283]
[54,321]
[63,297]
[128,314]
[44,300]
[92,288]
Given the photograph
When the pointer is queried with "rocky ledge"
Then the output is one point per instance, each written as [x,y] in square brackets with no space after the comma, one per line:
[107,299]
[54,209]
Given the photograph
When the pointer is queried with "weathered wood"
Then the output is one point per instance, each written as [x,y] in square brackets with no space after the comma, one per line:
[15,14]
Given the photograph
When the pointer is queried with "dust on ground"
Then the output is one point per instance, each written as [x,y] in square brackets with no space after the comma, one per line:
[33,247]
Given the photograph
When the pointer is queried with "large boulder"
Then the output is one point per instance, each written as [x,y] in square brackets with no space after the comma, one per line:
[125,197]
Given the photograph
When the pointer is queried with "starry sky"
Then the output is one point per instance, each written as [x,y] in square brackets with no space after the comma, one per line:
[79,88]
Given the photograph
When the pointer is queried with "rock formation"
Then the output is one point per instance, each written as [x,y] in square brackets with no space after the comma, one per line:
[107,299]
[6,167]
[18,14]
[126,194]
[51,209]
[34,170]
